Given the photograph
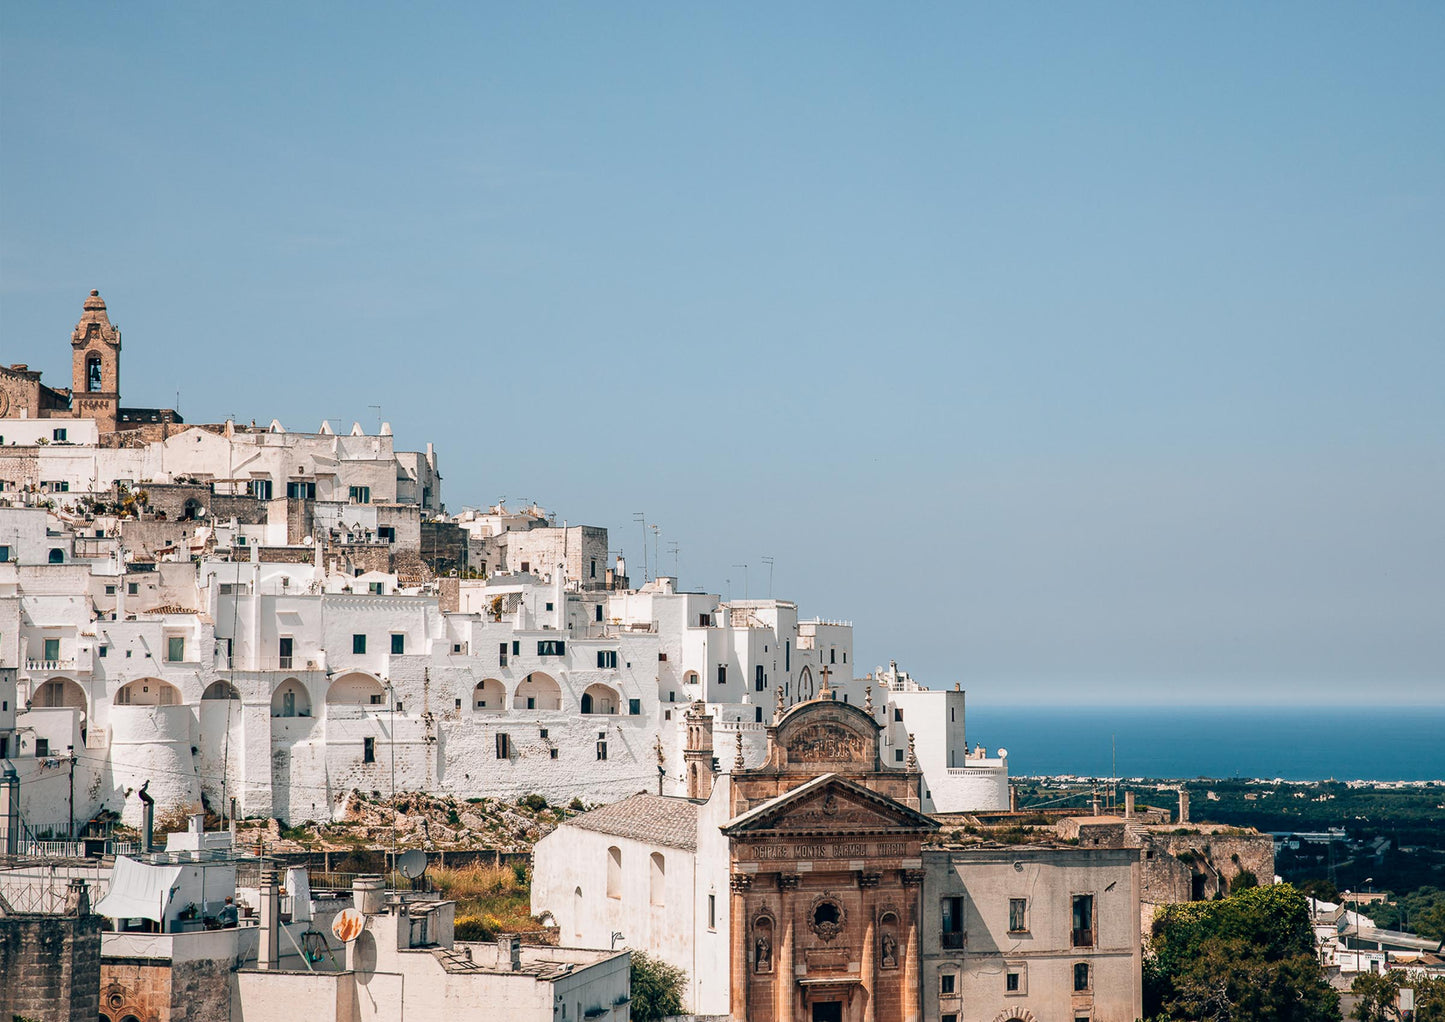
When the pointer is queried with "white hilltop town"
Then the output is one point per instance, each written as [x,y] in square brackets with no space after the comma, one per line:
[249,624]
[264,620]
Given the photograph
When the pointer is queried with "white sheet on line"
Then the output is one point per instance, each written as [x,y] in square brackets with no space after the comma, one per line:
[138,890]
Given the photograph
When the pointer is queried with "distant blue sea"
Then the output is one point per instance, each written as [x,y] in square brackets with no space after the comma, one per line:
[1348,743]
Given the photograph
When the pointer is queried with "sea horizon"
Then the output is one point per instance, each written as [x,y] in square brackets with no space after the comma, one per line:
[1345,743]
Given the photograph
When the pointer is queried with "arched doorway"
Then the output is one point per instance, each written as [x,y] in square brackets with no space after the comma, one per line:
[356,690]
[148,692]
[538,691]
[290,700]
[489,697]
[220,690]
[599,698]
[59,692]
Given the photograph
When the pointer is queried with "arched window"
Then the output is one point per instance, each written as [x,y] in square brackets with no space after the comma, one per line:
[577,913]
[93,381]
[614,872]
[658,881]
[57,555]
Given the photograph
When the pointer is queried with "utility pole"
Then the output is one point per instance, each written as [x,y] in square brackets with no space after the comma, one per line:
[72,791]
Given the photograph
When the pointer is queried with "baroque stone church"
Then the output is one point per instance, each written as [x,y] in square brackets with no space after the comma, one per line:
[789,892]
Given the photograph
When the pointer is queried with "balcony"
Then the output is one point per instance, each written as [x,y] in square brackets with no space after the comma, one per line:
[50,665]
[952,940]
[1083,938]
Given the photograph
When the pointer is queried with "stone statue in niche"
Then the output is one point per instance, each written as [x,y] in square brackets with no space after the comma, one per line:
[764,953]
[890,951]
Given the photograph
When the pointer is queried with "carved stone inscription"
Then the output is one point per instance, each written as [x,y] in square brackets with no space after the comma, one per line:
[826,743]
[825,850]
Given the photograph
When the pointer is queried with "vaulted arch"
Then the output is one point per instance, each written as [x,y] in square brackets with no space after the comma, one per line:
[148,692]
[538,691]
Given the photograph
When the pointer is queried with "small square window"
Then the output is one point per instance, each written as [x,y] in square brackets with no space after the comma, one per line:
[1011,982]
[549,606]
[552,753]
[898,755]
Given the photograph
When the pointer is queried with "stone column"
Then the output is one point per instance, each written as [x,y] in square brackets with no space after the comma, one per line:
[741,973]
[783,966]
[912,994]
[868,974]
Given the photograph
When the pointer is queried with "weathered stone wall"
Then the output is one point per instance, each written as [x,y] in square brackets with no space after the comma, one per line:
[50,967]
[139,987]
[444,547]
[1217,859]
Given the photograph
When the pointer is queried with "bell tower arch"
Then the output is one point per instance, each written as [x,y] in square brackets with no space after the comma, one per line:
[95,366]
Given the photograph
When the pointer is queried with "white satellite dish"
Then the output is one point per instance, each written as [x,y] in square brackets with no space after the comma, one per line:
[308,541]
[1003,754]
[412,864]
[348,924]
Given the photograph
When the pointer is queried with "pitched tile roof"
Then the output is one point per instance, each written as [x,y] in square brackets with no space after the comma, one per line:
[654,819]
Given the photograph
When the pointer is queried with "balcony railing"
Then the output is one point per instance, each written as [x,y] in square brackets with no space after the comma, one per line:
[1084,938]
[50,665]
[951,939]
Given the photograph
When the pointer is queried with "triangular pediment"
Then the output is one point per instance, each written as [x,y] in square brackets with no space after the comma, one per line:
[829,804]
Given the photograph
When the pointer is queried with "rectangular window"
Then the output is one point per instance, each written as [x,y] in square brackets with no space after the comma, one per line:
[368,750]
[398,644]
[1011,982]
[634,707]
[359,494]
[284,649]
[504,746]
[386,533]
[110,590]
[949,1018]
[1018,915]
[132,589]
[722,674]
[103,651]
[375,588]
[301,491]
[58,434]
[1081,975]
[551,647]
[52,649]
[1083,921]
[597,611]
[4,554]
[516,647]
[259,488]
[788,655]
[898,755]
[832,655]
[712,911]
[175,648]
[549,606]
[592,571]
[952,928]
[607,659]
[42,748]
[601,748]
[759,680]
[897,713]
[945,983]
[704,620]
[502,653]
[358,644]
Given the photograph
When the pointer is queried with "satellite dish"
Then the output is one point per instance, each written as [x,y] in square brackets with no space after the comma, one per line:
[1003,754]
[308,541]
[412,864]
[347,925]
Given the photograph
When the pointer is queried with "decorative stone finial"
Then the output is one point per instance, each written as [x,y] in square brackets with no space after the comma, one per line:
[738,759]
[825,692]
[912,763]
[778,710]
[868,699]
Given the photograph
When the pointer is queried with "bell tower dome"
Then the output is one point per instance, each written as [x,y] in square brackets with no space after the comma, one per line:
[95,366]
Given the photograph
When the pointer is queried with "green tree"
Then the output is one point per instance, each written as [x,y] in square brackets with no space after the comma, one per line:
[1379,997]
[657,988]
[1246,958]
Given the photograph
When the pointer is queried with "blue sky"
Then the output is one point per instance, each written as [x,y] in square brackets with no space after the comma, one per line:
[1077,353]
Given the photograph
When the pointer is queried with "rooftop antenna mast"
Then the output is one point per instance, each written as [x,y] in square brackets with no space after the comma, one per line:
[641,516]
[378,418]
[745,578]
[656,535]
[769,562]
[672,549]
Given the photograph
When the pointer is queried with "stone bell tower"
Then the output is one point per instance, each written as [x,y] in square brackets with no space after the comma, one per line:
[95,366]
[697,754]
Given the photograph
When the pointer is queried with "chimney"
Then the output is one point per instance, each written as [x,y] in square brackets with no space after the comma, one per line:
[268,953]
[509,951]
[148,818]
[77,898]
[198,823]
[1128,805]
[1183,806]
[1013,799]
[9,809]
